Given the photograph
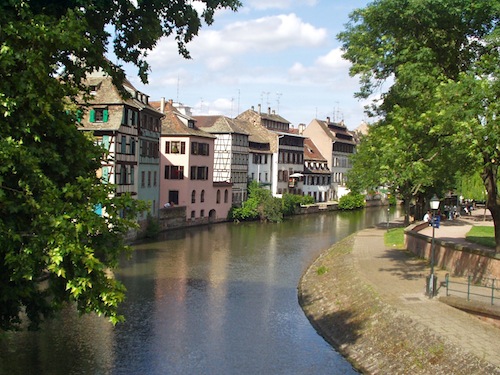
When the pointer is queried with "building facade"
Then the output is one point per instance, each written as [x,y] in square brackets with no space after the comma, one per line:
[337,144]
[122,126]
[187,165]
[286,151]
[231,153]
[317,176]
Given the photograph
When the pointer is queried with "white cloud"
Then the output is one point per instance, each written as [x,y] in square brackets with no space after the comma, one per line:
[325,69]
[217,48]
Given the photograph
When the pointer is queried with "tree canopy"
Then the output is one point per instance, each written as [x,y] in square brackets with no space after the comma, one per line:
[54,249]
[439,114]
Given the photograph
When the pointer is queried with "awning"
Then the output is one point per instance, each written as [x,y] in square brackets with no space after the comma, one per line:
[296,175]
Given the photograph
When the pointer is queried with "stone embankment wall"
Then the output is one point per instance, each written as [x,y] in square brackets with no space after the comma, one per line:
[458,259]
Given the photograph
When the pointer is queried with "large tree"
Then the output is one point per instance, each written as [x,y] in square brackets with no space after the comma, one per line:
[53,248]
[419,46]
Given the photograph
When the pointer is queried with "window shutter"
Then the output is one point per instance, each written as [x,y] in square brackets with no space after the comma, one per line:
[183,147]
[92,115]
[105,141]
[105,175]
[136,116]
[79,115]
[105,115]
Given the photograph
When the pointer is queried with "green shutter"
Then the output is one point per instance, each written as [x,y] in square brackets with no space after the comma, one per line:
[136,117]
[105,141]
[105,175]
[105,115]
[79,115]
[92,115]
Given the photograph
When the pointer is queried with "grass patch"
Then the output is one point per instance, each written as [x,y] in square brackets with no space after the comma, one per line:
[482,235]
[321,270]
[395,238]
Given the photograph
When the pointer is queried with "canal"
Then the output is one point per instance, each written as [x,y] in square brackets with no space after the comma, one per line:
[219,299]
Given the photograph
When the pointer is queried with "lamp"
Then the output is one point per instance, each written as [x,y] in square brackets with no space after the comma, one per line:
[434,203]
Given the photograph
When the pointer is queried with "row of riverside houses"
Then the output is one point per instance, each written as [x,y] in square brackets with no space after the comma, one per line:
[193,169]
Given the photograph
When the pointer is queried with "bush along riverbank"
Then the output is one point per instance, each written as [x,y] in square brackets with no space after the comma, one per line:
[374,336]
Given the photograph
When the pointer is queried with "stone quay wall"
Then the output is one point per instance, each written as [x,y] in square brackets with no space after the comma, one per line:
[457,258]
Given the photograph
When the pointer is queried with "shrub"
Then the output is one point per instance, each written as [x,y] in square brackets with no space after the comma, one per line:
[291,203]
[352,201]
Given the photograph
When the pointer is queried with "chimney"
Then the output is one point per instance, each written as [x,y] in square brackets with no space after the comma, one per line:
[162,105]
[253,109]
[268,110]
[258,107]
[302,127]
[328,120]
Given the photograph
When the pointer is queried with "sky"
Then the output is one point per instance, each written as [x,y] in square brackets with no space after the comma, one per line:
[281,54]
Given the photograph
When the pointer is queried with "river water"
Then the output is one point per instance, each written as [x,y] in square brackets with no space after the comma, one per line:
[219,299]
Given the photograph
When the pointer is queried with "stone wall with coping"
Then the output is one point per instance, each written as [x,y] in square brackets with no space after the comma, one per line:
[458,259]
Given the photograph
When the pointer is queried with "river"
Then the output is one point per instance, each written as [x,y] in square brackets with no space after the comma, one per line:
[219,299]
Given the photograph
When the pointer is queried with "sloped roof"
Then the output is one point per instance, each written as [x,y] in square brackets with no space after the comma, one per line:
[337,132]
[107,96]
[172,125]
[220,125]
[311,152]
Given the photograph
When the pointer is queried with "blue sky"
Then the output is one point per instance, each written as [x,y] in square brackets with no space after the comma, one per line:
[281,54]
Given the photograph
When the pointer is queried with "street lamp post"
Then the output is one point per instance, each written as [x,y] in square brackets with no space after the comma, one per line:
[434,203]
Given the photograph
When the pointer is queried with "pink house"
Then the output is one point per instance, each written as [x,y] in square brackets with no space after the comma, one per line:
[187,167]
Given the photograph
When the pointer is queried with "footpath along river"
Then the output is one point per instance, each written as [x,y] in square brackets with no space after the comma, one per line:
[220,299]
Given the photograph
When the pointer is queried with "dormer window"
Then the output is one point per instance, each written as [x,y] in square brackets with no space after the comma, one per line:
[190,124]
[93,89]
[98,115]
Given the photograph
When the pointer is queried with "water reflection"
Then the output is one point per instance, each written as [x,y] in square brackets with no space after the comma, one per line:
[210,300]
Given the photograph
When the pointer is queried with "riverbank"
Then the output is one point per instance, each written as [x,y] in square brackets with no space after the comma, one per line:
[368,302]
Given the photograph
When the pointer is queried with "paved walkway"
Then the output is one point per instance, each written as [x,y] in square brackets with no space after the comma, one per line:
[400,280]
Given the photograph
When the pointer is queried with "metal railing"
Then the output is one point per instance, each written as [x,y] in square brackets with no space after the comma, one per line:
[486,291]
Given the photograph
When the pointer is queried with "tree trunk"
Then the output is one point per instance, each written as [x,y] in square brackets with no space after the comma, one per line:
[406,204]
[493,203]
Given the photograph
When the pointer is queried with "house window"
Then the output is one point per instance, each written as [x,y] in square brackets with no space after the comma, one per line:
[199,173]
[175,147]
[226,195]
[123,144]
[132,175]
[123,175]
[192,215]
[155,177]
[98,115]
[202,196]
[218,196]
[199,148]
[193,196]
[149,178]
[143,179]
[174,172]
[202,213]
[132,146]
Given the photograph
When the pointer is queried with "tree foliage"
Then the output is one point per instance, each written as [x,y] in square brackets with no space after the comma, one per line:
[53,247]
[441,61]
[260,205]
[352,201]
